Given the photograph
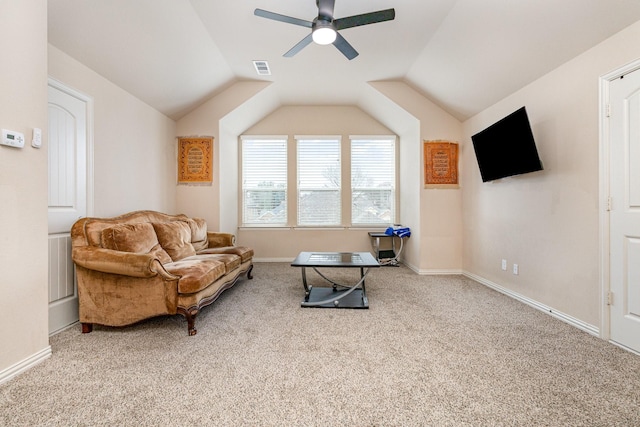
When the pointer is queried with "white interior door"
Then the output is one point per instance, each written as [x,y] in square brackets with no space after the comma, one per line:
[67,150]
[624,217]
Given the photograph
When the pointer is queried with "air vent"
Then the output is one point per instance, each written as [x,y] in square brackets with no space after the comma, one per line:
[262,68]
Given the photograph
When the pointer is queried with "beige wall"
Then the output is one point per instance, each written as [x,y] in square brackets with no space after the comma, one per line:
[547,222]
[134,149]
[23,185]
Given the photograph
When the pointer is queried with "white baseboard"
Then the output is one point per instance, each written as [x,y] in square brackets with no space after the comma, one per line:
[630,350]
[64,328]
[437,272]
[31,361]
[412,267]
[591,329]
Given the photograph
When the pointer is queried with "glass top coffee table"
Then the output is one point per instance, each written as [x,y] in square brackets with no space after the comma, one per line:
[338,295]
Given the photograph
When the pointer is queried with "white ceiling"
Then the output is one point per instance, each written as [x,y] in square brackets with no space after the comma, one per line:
[462,54]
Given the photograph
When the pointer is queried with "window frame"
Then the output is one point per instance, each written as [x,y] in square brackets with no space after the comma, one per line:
[242,174]
[340,189]
[292,188]
[394,208]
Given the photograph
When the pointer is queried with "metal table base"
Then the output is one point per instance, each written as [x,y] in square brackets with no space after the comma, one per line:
[338,295]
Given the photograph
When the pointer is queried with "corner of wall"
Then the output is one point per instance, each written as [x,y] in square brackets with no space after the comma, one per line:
[224,117]
[435,215]
[23,190]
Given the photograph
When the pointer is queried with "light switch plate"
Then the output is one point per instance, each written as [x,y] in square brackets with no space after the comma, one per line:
[12,139]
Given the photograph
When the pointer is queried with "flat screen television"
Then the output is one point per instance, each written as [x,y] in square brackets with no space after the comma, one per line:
[507,148]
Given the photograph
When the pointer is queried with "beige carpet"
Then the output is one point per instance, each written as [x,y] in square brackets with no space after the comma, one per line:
[431,351]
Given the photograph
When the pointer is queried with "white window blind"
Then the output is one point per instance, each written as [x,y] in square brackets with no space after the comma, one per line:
[264,180]
[319,180]
[373,180]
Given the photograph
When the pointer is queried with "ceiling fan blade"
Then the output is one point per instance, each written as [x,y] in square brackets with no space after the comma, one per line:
[282,18]
[298,47]
[325,8]
[365,18]
[344,47]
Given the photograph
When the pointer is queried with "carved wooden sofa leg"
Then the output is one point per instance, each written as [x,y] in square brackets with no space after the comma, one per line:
[191,312]
[190,315]
[87,327]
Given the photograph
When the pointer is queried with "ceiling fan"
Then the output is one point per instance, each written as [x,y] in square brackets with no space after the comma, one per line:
[324,28]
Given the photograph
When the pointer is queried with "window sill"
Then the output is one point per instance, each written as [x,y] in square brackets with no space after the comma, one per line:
[319,228]
[264,227]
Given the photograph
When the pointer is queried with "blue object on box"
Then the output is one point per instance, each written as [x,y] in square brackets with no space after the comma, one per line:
[400,231]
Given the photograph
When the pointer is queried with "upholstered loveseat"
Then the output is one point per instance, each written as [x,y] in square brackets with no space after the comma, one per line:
[145,264]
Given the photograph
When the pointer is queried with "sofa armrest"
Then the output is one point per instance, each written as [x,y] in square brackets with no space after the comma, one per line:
[219,240]
[117,262]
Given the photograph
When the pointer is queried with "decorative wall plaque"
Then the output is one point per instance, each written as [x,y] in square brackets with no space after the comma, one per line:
[195,160]
[440,164]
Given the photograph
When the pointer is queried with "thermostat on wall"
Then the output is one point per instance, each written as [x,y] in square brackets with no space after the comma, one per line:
[12,139]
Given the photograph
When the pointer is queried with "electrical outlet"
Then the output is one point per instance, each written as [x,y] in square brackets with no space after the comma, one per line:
[504,265]
[515,268]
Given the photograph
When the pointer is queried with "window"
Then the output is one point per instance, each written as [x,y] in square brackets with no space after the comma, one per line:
[264,180]
[373,180]
[319,181]
[327,178]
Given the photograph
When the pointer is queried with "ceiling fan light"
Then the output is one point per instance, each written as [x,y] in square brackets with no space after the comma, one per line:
[324,35]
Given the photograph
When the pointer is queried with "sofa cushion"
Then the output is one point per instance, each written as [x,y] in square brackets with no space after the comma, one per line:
[231,261]
[198,233]
[195,273]
[175,238]
[243,252]
[93,232]
[137,238]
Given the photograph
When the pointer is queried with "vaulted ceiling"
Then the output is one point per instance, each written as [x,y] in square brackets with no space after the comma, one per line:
[462,54]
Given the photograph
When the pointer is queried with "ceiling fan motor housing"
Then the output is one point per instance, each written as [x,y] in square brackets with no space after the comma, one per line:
[323,30]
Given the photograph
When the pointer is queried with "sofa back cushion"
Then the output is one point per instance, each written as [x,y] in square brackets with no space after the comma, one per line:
[175,238]
[137,238]
[89,230]
[199,239]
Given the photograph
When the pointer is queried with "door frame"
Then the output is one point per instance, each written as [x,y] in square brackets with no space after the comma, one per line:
[605,193]
[88,101]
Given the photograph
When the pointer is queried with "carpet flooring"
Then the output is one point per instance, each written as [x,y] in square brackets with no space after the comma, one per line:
[430,351]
